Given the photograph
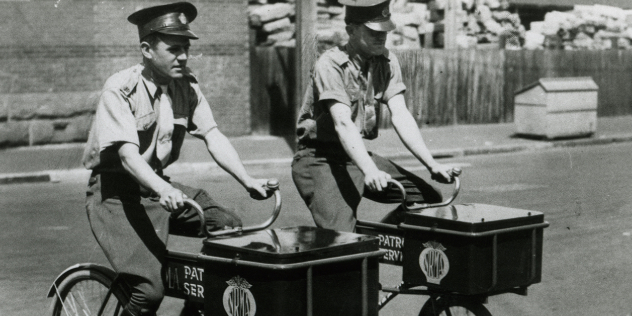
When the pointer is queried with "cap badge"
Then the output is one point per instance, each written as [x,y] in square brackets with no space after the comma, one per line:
[183,18]
[385,12]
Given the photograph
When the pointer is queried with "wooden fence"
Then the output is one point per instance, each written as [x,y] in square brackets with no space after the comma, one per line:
[272,97]
[453,87]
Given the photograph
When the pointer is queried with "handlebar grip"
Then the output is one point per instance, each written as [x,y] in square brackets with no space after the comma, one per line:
[272,185]
[456,171]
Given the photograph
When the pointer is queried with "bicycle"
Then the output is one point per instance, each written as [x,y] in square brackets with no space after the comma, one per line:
[293,270]
[88,289]
[429,229]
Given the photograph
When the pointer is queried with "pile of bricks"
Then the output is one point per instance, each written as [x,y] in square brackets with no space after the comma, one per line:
[594,27]
[478,22]
[411,19]
[274,23]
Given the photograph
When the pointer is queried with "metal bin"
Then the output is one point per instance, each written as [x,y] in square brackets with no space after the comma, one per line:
[557,108]
[473,248]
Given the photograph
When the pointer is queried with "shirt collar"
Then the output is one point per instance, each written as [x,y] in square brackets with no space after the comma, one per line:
[358,60]
[152,87]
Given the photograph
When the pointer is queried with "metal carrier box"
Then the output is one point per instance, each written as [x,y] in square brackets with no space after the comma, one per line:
[557,107]
[292,271]
[473,248]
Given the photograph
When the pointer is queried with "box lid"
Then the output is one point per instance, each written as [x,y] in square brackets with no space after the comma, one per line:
[562,84]
[290,245]
[473,217]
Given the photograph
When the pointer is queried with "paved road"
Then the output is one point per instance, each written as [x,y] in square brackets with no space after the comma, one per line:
[584,192]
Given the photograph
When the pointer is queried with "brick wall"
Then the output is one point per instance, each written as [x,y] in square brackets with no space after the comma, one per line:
[55,55]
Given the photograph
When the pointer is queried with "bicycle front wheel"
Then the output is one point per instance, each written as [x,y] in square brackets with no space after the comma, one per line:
[453,306]
[87,292]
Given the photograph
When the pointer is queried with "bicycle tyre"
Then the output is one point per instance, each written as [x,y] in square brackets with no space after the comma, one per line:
[84,291]
[451,306]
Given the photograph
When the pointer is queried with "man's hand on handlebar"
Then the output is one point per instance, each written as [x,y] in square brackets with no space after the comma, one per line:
[172,199]
[376,180]
[258,189]
[442,173]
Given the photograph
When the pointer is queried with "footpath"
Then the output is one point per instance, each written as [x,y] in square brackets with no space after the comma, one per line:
[54,162]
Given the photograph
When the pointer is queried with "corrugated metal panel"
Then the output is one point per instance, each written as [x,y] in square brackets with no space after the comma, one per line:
[625,4]
[568,84]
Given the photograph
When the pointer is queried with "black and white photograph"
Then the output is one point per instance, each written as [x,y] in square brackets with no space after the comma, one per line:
[316,157]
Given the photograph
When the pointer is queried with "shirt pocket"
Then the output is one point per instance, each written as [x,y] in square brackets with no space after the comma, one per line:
[145,122]
[353,92]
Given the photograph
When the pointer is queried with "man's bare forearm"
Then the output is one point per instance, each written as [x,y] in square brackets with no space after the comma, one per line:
[408,131]
[138,168]
[226,156]
[354,146]
[350,137]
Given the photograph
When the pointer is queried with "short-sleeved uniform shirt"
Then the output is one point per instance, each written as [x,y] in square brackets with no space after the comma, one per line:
[126,112]
[339,75]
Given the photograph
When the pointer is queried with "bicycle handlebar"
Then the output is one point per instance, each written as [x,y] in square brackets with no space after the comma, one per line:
[455,172]
[273,185]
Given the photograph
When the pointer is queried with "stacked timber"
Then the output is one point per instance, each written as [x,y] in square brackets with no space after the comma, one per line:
[595,27]
[275,23]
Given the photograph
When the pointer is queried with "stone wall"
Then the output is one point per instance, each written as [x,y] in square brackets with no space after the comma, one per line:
[56,55]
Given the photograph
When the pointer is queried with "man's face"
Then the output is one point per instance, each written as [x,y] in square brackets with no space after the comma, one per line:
[367,41]
[168,57]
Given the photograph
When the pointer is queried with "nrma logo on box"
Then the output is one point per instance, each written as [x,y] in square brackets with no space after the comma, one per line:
[433,262]
[237,299]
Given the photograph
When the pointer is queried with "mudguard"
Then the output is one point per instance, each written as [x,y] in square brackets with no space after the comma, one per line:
[77,267]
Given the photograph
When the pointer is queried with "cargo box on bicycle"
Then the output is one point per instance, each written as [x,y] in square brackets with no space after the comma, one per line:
[292,271]
[473,248]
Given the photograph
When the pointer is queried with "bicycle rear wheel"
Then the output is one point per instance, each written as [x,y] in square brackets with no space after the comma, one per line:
[88,292]
[453,306]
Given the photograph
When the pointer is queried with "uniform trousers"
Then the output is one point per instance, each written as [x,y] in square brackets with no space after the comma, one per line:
[133,228]
[332,187]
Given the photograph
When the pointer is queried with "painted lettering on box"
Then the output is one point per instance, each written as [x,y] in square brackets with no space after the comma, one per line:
[195,290]
[185,279]
[393,246]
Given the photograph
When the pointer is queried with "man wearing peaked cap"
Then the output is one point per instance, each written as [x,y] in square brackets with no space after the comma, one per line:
[342,105]
[142,116]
